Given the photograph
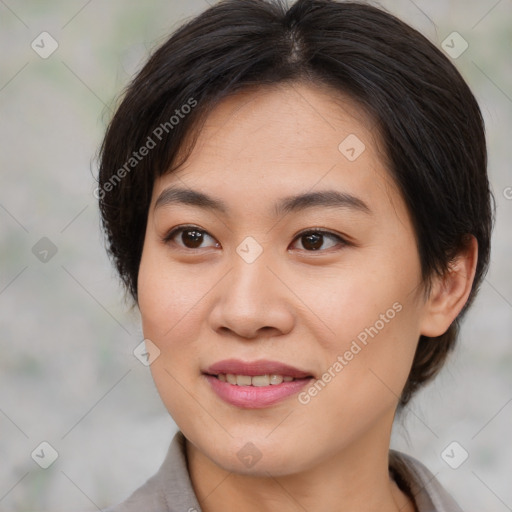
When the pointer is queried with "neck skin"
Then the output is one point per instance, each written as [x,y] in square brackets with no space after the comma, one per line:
[357,479]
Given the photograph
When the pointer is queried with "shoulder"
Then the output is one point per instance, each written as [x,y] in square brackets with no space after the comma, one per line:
[427,492]
[168,490]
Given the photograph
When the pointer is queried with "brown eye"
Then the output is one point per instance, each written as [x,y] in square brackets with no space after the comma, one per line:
[189,237]
[314,240]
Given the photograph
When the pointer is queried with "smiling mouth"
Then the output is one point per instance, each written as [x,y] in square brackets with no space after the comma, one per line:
[255,380]
[255,384]
[257,373]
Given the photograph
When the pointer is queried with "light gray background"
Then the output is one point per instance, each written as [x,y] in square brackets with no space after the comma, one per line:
[67,372]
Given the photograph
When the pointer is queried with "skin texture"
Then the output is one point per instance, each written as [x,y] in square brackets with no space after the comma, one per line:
[292,304]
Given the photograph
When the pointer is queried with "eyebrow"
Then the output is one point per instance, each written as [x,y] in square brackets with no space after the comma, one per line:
[324,198]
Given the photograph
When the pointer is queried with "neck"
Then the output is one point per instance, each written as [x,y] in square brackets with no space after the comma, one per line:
[357,479]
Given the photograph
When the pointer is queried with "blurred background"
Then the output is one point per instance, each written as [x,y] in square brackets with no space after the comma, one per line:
[68,376]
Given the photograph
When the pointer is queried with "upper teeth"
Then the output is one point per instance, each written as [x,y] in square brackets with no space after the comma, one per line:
[257,380]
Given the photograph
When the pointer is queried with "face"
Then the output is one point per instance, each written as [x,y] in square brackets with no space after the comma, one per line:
[298,260]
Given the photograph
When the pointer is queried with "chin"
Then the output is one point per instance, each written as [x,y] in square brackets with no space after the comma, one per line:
[255,455]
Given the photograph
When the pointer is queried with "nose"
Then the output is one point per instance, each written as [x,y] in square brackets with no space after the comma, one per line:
[252,301]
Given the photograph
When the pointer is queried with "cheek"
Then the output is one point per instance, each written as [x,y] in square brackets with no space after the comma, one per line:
[168,296]
[364,375]
[359,299]
[173,300]
[170,320]
[166,303]
[373,321]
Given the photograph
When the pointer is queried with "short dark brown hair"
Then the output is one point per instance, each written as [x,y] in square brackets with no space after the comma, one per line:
[428,119]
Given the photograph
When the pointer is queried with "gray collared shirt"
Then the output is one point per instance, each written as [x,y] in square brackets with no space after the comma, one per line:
[170,489]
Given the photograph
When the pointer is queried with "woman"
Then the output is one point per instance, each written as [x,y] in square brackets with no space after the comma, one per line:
[296,198]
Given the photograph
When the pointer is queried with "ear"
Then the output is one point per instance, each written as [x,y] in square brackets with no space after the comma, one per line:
[450,292]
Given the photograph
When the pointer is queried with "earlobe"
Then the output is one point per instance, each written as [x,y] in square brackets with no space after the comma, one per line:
[450,292]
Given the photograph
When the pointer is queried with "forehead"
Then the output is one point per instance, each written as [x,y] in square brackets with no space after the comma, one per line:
[289,120]
[269,142]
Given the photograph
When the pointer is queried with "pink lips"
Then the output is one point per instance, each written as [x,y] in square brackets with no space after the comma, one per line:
[253,368]
[255,397]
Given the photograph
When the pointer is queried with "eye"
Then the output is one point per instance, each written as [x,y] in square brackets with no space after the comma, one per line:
[191,237]
[313,239]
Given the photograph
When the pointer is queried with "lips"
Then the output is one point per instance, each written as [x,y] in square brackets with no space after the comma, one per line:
[255,384]
[255,368]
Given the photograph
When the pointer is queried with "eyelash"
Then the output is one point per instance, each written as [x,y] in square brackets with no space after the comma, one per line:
[168,238]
